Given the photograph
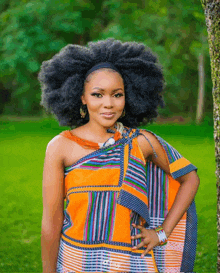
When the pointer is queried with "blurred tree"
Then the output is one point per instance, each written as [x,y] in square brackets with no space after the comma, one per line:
[5,96]
[173,29]
[201,90]
[212,12]
[34,30]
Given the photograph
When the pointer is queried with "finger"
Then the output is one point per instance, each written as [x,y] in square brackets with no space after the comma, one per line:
[136,236]
[149,247]
[139,245]
[137,226]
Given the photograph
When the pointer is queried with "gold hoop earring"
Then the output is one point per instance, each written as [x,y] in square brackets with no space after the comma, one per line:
[82,112]
[123,113]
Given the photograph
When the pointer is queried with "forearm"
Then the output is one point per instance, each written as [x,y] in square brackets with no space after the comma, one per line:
[49,250]
[184,198]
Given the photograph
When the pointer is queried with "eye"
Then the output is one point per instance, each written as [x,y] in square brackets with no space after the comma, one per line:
[98,95]
[118,95]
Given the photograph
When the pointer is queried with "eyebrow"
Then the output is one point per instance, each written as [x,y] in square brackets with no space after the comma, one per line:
[104,89]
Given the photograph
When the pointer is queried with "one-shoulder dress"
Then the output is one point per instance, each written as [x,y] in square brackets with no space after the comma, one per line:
[108,190]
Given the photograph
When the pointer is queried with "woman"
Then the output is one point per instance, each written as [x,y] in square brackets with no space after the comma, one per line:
[129,194]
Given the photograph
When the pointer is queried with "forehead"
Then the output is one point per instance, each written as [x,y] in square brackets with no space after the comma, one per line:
[105,77]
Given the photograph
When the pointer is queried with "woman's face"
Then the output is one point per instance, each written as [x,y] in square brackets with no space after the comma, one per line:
[104,96]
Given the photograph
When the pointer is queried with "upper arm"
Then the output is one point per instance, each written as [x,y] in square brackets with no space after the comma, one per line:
[189,176]
[53,184]
[149,153]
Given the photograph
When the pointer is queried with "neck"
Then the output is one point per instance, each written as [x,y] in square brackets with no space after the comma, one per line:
[98,130]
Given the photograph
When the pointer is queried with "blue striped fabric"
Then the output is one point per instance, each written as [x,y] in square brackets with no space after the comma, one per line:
[100,221]
[158,187]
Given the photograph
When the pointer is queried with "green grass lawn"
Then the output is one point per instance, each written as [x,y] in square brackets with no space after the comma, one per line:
[22,149]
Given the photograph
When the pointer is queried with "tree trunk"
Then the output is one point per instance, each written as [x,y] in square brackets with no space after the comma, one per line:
[212,13]
[201,91]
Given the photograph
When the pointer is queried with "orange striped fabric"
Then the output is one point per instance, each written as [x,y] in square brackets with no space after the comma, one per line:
[106,191]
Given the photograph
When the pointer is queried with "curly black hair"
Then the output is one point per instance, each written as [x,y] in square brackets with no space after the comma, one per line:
[62,80]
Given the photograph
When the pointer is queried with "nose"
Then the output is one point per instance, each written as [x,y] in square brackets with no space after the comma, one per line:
[108,101]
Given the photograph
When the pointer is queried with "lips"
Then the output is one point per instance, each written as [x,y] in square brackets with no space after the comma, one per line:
[108,115]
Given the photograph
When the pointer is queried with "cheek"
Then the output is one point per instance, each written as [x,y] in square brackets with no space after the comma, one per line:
[93,104]
[122,102]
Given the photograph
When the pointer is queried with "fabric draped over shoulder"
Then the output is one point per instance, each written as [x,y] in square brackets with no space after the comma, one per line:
[109,189]
[179,253]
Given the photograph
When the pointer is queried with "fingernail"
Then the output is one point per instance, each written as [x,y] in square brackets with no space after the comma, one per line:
[142,256]
[134,247]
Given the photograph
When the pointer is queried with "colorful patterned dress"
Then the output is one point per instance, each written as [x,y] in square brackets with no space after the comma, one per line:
[109,189]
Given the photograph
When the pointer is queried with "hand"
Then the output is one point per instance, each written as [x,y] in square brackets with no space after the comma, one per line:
[149,236]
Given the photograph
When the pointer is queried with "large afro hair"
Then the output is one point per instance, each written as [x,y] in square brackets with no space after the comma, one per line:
[62,80]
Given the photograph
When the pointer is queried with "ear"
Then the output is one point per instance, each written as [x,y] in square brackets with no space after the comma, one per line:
[83,99]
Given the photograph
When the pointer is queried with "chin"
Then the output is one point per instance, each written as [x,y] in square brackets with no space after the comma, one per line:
[109,123]
[106,123]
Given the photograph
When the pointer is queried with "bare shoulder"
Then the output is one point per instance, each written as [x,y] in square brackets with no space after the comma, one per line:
[64,149]
[58,148]
[56,144]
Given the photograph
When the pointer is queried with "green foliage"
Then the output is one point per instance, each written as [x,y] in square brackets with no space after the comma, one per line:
[34,30]
[175,30]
